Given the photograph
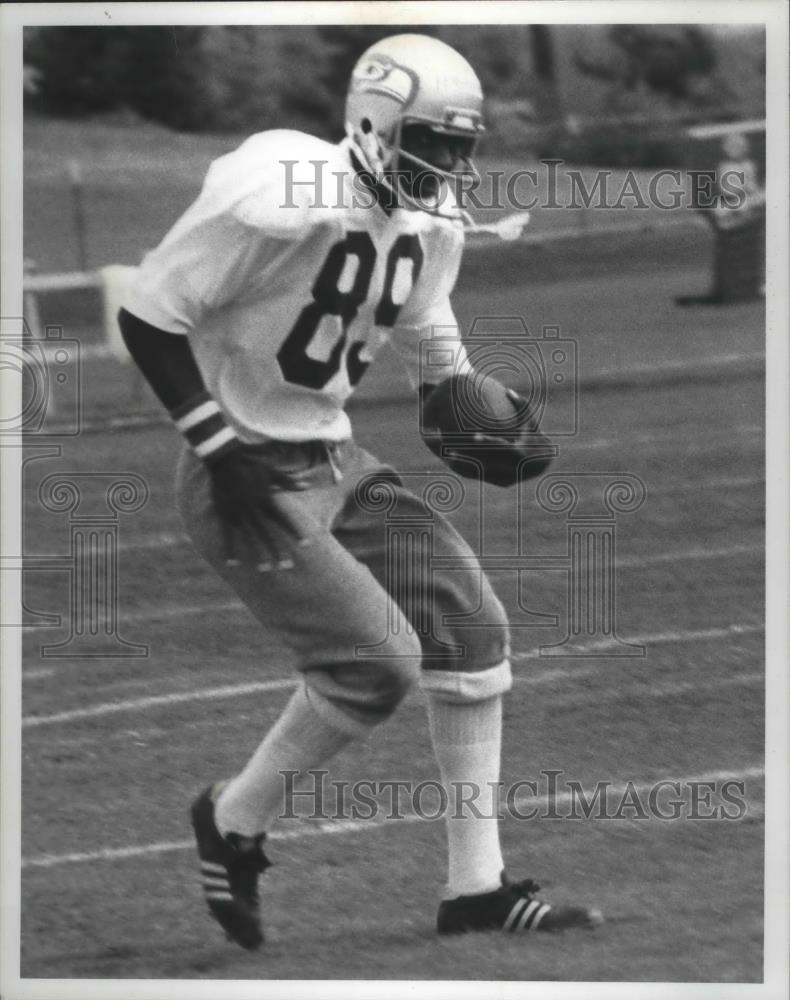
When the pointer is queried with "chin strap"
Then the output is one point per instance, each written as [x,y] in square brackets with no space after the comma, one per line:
[369,149]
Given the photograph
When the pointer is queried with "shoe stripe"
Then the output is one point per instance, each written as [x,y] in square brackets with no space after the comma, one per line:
[544,909]
[210,868]
[223,894]
[514,914]
[214,882]
[524,920]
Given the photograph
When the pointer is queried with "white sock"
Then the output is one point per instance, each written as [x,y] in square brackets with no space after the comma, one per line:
[467,742]
[308,733]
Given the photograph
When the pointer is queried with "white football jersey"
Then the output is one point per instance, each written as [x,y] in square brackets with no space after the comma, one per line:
[288,276]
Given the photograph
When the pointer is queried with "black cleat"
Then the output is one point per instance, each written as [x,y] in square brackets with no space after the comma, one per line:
[513,907]
[229,868]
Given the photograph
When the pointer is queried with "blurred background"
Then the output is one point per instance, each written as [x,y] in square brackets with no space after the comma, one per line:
[538,79]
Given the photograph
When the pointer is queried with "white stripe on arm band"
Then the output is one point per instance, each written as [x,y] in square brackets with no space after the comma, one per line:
[201,422]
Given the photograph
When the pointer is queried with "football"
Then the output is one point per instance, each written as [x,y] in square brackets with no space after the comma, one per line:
[463,404]
[481,429]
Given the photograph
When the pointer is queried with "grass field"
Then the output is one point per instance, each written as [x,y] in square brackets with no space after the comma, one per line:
[115,749]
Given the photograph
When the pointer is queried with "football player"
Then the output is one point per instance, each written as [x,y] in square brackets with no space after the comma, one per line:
[253,321]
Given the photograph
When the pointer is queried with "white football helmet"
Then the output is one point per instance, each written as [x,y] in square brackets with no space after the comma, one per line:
[405,80]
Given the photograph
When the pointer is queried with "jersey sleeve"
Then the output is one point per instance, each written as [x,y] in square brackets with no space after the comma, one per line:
[279,182]
[201,265]
[252,205]
[426,336]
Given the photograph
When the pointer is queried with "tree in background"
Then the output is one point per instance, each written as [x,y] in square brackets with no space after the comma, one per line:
[191,78]
[154,71]
[544,62]
[671,61]
[76,70]
[263,78]
[212,78]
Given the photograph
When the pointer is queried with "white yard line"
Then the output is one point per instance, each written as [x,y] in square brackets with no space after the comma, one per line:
[690,554]
[681,446]
[656,692]
[348,826]
[168,612]
[167,539]
[157,613]
[155,701]
[657,689]
[640,562]
[601,646]
[239,690]
[722,483]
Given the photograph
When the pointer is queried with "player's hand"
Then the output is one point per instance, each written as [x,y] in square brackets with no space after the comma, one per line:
[530,435]
[529,445]
[243,488]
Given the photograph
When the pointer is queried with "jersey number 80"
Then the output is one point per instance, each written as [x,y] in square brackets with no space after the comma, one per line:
[297,367]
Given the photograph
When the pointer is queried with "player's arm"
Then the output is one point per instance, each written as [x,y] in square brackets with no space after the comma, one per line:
[168,364]
[242,483]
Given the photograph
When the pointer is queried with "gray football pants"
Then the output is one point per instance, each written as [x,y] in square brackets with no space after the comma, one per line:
[363,612]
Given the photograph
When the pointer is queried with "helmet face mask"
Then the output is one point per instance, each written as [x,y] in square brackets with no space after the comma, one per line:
[413,115]
[427,158]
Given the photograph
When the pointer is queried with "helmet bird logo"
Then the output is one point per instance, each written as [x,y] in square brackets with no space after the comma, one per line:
[380,75]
